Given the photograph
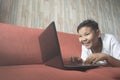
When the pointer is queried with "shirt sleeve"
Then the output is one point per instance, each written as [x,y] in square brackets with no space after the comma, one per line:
[115,48]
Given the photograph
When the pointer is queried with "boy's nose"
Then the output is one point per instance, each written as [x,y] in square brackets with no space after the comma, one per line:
[82,39]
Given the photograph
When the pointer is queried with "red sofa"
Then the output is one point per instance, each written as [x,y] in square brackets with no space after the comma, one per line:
[20,57]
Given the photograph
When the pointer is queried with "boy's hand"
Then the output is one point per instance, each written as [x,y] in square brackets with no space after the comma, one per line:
[94,58]
[73,60]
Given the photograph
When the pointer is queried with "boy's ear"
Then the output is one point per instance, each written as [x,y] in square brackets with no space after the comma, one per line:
[98,33]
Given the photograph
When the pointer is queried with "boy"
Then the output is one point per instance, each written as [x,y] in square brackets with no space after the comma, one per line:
[96,46]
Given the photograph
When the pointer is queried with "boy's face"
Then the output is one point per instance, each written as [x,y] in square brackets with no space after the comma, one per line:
[88,37]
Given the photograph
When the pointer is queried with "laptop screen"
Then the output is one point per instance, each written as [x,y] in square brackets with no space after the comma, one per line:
[50,48]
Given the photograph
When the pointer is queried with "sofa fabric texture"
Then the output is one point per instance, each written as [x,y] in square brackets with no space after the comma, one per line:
[19,45]
[20,57]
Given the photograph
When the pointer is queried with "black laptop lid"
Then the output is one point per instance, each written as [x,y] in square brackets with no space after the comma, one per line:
[50,49]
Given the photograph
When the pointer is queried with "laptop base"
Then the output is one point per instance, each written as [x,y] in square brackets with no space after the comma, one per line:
[80,67]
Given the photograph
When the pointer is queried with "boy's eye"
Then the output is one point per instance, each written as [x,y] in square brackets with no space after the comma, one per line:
[87,34]
[80,36]
[84,35]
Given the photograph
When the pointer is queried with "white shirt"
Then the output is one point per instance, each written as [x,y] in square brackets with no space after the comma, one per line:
[110,46]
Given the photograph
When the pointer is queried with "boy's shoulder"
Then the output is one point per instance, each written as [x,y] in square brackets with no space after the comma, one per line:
[107,36]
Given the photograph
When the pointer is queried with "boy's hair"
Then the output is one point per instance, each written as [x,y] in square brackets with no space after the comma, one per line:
[88,23]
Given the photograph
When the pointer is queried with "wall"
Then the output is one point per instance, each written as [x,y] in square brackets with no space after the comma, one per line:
[67,14]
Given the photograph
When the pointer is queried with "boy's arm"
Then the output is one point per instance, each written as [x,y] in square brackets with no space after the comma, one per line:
[112,61]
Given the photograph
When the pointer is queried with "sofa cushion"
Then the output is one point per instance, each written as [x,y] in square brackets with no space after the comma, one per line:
[42,72]
[19,45]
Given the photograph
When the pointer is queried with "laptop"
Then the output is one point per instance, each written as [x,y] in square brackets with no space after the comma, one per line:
[51,53]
